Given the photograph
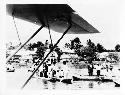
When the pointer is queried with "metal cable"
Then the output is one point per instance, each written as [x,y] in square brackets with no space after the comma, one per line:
[16,28]
[49,30]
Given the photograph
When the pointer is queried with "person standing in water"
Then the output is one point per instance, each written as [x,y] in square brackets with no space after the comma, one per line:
[90,68]
[65,70]
[45,70]
[98,68]
[54,69]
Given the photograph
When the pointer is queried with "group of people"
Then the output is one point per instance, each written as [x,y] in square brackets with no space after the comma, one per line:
[98,67]
[91,67]
[50,69]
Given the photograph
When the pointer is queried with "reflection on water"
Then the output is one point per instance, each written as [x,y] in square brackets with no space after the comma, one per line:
[54,85]
[91,85]
[45,83]
[16,79]
[75,85]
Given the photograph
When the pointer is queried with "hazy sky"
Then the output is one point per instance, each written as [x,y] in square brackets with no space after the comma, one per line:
[104,15]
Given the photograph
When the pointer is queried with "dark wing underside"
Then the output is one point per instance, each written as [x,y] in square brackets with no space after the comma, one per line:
[57,16]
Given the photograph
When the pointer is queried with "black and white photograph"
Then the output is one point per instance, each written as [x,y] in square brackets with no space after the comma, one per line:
[63,46]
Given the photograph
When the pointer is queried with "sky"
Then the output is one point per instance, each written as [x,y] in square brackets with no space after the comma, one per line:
[104,15]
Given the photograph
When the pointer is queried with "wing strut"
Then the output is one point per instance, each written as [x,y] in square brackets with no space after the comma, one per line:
[21,46]
[47,55]
[49,31]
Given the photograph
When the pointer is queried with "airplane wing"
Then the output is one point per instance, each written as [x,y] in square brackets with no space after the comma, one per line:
[55,14]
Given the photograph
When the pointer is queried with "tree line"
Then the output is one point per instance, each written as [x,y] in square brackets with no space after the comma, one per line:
[90,50]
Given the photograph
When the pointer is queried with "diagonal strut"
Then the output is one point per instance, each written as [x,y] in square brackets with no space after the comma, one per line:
[46,56]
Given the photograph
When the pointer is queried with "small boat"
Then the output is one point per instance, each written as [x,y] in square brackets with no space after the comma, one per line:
[91,78]
[67,81]
[115,76]
[55,79]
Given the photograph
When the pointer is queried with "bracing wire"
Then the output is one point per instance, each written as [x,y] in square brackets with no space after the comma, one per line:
[49,31]
[16,28]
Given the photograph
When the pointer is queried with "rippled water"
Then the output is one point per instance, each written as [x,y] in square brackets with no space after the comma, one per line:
[18,78]
[75,85]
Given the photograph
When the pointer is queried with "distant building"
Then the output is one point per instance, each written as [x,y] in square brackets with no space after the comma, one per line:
[109,56]
[22,57]
[69,55]
[52,56]
[102,56]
